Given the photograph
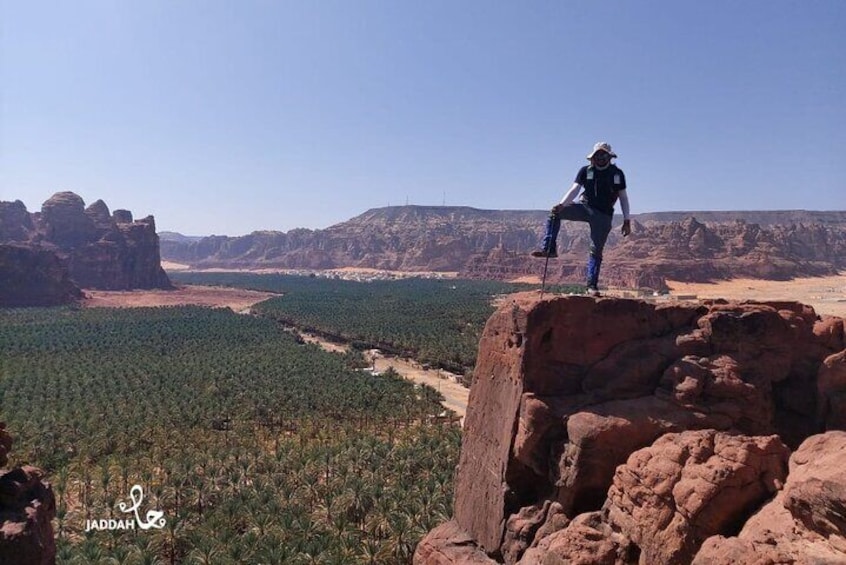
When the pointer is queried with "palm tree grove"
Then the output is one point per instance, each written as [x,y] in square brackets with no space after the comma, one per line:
[252,446]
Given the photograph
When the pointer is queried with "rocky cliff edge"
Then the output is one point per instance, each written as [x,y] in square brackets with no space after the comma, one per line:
[27,508]
[621,431]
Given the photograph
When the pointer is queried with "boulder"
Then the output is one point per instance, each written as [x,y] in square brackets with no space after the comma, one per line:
[669,497]
[27,506]
[587,540]
[15,222]
[804,524]
[448,544]
[64,222]
[831,392]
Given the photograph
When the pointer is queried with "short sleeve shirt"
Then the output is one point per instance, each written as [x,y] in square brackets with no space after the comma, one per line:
[600,188]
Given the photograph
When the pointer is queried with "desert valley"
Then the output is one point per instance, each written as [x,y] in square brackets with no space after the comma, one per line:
[395,389]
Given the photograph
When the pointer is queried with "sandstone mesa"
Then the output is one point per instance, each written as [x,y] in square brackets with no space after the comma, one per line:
[45,257]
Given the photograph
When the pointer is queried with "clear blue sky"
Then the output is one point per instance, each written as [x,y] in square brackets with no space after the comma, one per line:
[231,116]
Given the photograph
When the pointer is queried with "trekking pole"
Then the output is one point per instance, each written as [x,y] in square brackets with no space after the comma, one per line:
[546,249]
[543,280]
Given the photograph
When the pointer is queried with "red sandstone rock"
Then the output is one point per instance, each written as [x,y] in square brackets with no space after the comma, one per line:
[686,487]
[587,540]
[34,277]
[67,242]
[804,524]
[566,389]
[829,331]
[521,528]
[27,507]
[449,545]
[15,222]
[64,222]
[495,244]
[831,392]
[816,491]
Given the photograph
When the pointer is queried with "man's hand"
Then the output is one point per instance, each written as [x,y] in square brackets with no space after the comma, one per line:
[557,209]
[627,228]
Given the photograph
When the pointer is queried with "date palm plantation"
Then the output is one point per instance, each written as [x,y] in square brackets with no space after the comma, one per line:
[257,449]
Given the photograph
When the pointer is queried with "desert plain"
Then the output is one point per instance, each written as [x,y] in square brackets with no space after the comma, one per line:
[827,295]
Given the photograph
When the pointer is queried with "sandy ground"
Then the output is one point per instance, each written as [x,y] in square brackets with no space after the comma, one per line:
[234,298]
[455,395]
[341,271]
[171,266]
[826,294]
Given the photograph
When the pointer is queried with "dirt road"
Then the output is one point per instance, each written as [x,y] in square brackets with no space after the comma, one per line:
[240,301]
[455,395]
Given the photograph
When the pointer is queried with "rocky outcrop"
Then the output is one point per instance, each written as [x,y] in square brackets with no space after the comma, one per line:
[32,276]
[27,507]
[15,222]
[495,244]
[5,444]
[448,544]
[64,222]
[805,523]
[622,431]
[95,248]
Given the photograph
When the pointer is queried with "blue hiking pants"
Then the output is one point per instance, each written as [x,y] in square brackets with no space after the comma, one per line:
[600,227]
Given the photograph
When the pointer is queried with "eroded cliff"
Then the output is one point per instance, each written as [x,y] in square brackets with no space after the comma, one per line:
[89,247]
[622,431]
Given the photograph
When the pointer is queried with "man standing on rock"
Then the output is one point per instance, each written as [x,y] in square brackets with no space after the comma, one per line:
[602,183]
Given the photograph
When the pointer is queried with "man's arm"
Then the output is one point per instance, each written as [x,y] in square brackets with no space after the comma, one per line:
[569,197]
[624,205]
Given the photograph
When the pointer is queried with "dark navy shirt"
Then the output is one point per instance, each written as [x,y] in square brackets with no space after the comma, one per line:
[601,187]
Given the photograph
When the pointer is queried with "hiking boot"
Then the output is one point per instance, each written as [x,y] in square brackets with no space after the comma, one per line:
[543,253]
[591,290]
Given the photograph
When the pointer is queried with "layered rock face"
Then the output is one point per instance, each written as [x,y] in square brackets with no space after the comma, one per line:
[686,250]
[621,431]
[27,507]
[97,249]
[495,244]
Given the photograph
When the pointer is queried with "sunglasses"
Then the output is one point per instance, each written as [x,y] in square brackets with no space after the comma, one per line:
[601,155]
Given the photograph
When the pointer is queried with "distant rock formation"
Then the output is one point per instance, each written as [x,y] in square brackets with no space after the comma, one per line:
[32,276]
[495,244]
[94,248]
[685,250]
[622,431]
[27,507]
